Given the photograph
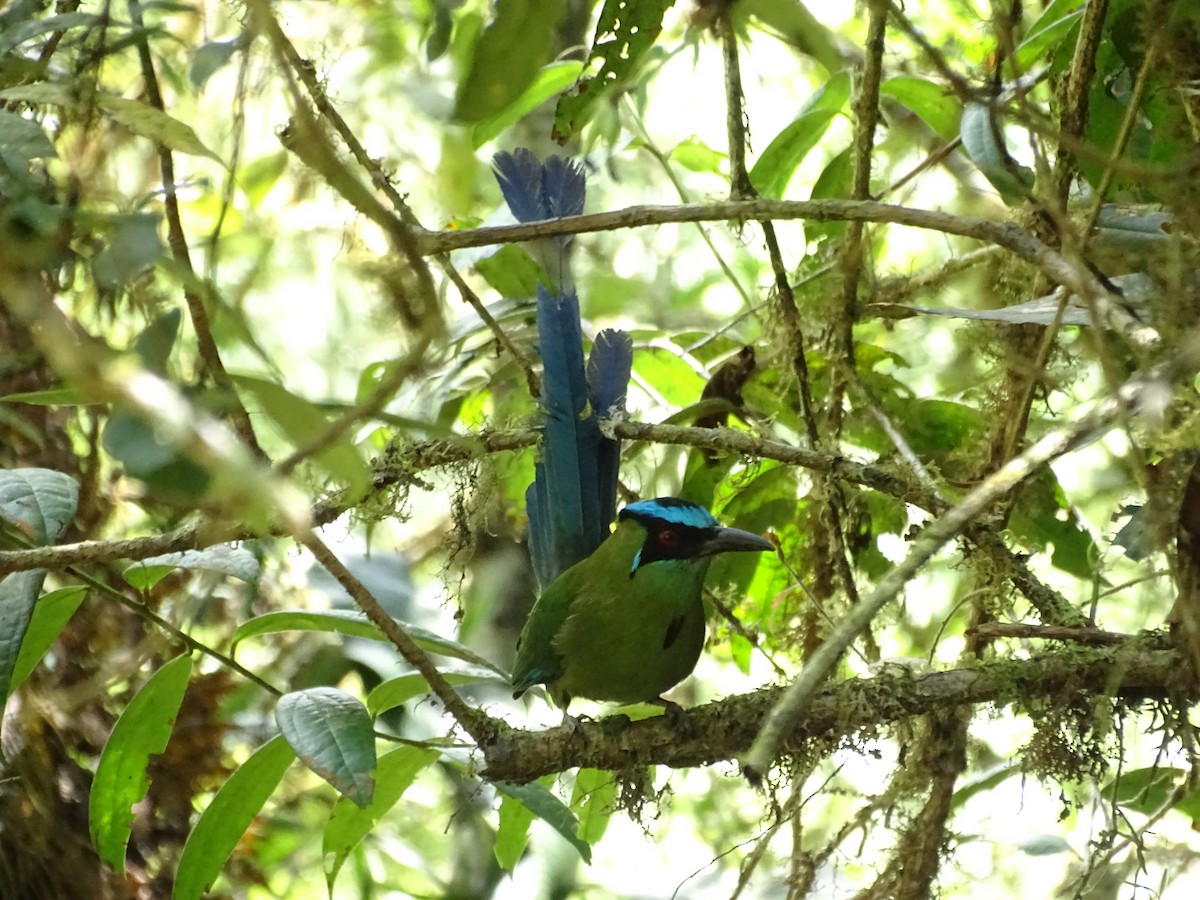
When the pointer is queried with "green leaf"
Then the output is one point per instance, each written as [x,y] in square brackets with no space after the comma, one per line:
[356,624]
[511,271]
[537,798]
[18,594]
[1055,23]
[236,562]
[834,182]
[777,164]
[24,137]
[932,102]
[550,81]
[333,621]
[149,456]
[1146,790]
[138,117]
[154,124]
[401,689]
[1042,515]
[40,502]
[1044,845]
[227,817]
[210,58]
[349,824]
[625,32]
[154,345]
[332,734]
[40,92]
[258,176]
[697,156]
[667,373]
[507,57]
[594,797]
[133,247]
[302,421]
[13,36]
[980,784]
[121,780]
[512,833]
[50,616]
[59,396]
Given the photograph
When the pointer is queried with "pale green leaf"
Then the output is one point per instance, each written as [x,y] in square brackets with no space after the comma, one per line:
[332,734]
[227,817]
[349,823]
[547,807]
[40,502]
[50,616]
[121,780]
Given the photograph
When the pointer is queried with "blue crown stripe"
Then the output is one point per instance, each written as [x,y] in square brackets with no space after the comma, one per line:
[673,510]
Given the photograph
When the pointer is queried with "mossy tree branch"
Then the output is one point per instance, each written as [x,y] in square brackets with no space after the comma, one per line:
[1135,671]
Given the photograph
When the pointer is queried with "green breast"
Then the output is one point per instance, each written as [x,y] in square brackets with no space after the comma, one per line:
[598,633]
[637,640]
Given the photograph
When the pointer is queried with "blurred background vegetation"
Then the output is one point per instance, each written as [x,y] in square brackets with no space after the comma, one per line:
[222,324]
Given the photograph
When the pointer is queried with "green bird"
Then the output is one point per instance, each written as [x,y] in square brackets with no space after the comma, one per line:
[627,623]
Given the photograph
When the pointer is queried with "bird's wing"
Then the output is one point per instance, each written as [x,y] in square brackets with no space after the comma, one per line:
[538,660]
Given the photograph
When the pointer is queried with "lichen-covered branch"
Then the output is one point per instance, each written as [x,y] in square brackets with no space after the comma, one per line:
[723,730]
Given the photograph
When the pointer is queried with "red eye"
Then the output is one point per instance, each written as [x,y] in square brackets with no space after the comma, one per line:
[668,538]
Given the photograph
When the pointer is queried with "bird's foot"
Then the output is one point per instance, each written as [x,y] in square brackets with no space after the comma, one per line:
[677,716]
[574,725]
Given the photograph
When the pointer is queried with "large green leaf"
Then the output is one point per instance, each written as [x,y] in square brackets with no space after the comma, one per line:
[140,118]
[507,58]
[24,138]
[356,624]
[40,502]
[236,562]
[1042,515]
[551,810]
[1055,23]
[933,102]
[403,688]
[1146,790]
[121,780]
[50,616]
[227,817]
[594,797]
[150,456]
[332,734]
[549,82]
[625,32]
[302,421]
[18,594]
[349,823]
[778,162]
[512,832]
[15,35]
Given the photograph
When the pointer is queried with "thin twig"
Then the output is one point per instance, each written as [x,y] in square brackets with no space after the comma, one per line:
[210,356]
[474,722]
[1074,106]
[740,188]
[865,108]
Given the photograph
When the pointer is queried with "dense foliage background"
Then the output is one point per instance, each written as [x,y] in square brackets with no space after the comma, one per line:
[911,286]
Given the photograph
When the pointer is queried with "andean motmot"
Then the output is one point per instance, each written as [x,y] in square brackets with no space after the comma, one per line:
[627,623]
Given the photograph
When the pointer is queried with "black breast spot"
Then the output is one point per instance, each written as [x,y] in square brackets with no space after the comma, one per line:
[672,634]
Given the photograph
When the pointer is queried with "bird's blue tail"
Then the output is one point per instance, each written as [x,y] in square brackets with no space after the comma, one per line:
[573,499]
